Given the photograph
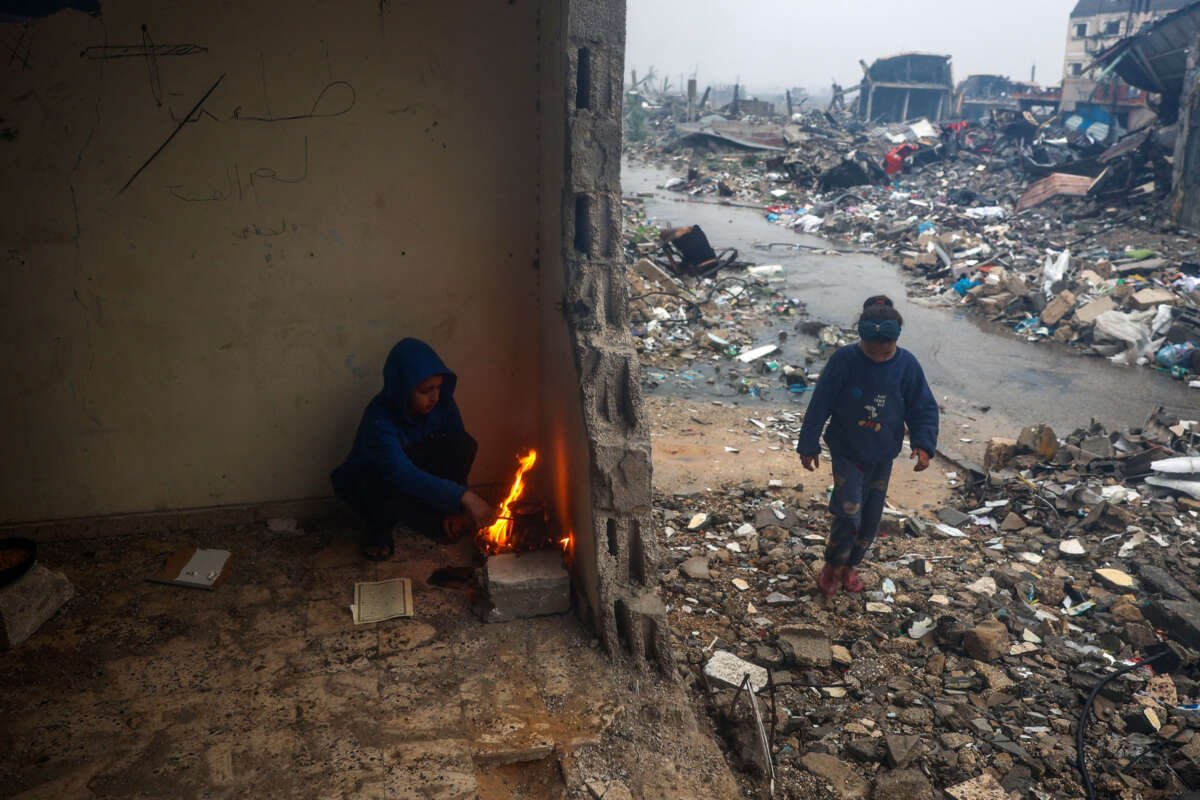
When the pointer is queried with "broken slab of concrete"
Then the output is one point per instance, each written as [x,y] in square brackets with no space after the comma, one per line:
[1180,617]
[1038,439]
[1058,308]
[1159,580]
[1087,314]
[1152,297]
[845,781]
[28,602]
[727,669]
[523,585]
[805,646]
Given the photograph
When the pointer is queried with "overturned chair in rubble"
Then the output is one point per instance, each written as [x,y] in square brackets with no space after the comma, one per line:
[689,253]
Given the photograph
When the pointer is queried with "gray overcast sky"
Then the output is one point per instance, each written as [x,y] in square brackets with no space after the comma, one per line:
[783,43]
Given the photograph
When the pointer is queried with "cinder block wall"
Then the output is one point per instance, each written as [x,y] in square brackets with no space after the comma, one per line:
[616,547]
[209,333]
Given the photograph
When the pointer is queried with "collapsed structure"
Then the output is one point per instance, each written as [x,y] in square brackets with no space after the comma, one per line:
[905,87]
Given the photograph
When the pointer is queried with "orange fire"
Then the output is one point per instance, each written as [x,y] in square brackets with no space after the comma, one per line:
[497,536]
[567,543]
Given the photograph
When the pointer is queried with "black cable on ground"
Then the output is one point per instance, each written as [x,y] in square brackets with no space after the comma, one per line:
[694,305]
[1081,728]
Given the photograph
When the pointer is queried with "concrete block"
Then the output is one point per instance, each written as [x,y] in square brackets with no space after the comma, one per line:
[1087,315]
[1058,308]
[727,669]
[522,585]
[1149,298]
[1039,439]
[999,452]
[28,602]
[1015,285]
[805,646]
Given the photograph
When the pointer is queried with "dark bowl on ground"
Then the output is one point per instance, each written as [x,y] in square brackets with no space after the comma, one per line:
[17,555]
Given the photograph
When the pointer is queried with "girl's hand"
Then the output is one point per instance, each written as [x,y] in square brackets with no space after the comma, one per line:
[922,459]
[810,462]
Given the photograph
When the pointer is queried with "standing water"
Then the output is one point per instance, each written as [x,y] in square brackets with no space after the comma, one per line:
[970,364]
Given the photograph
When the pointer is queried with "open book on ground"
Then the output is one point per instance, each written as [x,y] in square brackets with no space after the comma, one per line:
[379,600]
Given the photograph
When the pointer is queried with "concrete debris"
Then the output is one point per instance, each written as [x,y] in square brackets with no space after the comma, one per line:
[1032,222]
[726,668]
[522,585]
[841,776]
[986,620]
[971,673]
[29,601]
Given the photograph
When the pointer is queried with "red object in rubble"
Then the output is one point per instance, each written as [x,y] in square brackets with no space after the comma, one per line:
[894,161]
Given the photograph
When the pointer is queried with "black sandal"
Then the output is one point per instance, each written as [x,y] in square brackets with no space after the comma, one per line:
[378,540]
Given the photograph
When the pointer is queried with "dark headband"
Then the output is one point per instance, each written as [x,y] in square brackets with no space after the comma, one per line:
[879,330]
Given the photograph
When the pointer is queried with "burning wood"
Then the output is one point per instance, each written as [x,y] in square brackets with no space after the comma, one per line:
[498,537]
[522,524]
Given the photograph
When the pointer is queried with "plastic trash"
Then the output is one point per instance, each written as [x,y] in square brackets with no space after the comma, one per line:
[808,223]
[1176,355]
[1162,320]
[987,212]
[965,285]
[1138,255]
[1132,328]
[922,227]
[1053,271]
[1028,324]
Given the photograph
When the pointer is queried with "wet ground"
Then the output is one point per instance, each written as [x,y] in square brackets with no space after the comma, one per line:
[970,364]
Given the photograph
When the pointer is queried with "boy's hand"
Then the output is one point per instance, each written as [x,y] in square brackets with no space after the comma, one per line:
[922,459]
[453,525]
[480,511]
[810,462]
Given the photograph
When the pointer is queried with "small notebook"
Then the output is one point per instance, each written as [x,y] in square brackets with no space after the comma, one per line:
[199,569]
[380,600]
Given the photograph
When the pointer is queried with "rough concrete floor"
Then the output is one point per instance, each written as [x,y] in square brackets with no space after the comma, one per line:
[265,688]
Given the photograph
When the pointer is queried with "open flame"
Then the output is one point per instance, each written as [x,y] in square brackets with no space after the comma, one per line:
[567,543]
[497,537]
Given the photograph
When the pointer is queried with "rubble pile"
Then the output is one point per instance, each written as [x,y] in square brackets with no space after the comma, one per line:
[709,330]
[1033,225]
[984,627]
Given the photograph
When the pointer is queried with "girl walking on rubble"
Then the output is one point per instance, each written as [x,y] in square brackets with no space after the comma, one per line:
[869,392]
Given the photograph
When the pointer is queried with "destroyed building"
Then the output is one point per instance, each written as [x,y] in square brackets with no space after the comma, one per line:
[906,87]
[1094,26]
[975,97]
[979,95]
[1162,58]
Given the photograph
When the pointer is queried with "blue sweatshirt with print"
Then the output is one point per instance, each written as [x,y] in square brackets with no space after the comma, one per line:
[387,428]
[868,404]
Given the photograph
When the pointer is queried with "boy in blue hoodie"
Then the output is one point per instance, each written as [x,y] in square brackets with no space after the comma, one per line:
[871,390]
[411,455]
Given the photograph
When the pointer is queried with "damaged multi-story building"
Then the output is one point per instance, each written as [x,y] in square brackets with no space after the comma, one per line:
[905,87]
[1095,26]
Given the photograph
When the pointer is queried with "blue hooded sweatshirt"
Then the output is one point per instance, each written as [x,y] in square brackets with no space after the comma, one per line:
[870,403]
[387,428]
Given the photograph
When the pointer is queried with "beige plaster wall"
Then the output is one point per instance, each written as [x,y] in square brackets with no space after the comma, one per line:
[362,172]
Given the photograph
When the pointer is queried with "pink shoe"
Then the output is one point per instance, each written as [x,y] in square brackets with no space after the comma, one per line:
[829,581]
[851,581]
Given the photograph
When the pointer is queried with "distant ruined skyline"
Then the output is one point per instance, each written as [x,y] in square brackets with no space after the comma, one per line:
[770,44]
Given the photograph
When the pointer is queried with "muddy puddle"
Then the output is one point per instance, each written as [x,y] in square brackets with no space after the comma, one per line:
[971,364]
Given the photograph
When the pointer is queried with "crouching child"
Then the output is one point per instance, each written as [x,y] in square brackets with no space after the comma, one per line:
[411,456]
